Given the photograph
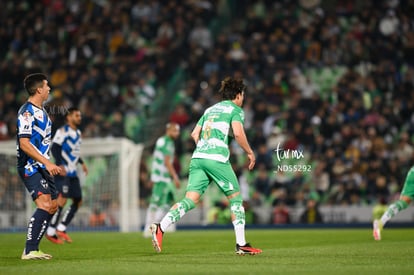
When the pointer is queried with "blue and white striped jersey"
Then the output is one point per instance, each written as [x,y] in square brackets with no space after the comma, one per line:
[66,149]
[33,123]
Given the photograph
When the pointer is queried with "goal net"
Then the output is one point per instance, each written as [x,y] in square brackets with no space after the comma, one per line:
[110,190]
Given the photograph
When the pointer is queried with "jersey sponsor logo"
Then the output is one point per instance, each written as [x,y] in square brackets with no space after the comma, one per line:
[30,229]
[27,115]
[25,123]
[228,186]
[43,182]
[39,115]
[25,129]
[220,108]
[46,141]
[207,129]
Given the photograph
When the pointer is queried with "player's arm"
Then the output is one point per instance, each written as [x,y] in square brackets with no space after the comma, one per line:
[240,137]
[84,167]
[80,160]
[171,170]
[195,134]
[57,153]
[30,150]
[56,150]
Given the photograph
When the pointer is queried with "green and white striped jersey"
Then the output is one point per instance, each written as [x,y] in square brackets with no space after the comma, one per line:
[216,128]
[163,147]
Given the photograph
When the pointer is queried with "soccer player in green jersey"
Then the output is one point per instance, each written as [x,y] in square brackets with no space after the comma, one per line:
[407,195]
[210,163]
[163,177]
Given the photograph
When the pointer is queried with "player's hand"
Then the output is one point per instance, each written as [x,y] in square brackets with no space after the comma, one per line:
[53,169]
[177,183]
[62,171]
[85,169]
[252,160]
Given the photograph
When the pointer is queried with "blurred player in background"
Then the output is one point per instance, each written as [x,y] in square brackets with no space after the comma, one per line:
[210,163]
[34,133]
[407,195]
[66,151]
[379,209]
[163,177]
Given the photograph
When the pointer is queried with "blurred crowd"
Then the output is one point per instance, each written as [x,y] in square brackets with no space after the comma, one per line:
[109,58]
[330,81]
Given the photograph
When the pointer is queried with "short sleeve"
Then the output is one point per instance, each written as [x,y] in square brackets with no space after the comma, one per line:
[201,121]
[25,123]
[238,115]
[59,137]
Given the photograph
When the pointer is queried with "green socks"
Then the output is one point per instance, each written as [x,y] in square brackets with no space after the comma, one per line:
[183,207]
[393,210]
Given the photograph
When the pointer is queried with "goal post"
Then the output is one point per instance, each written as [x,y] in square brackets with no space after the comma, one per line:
[110,190]
[129,157]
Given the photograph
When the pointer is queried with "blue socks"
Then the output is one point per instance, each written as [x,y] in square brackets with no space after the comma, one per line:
[36,229]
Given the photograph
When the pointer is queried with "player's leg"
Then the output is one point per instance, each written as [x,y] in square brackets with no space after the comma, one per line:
[74,192]
[197,184]
[45,199]
[61,201]
[407,195]
[392,210]
[149,219]
[225,178]
[176,212]
[395,208]
[170,199]
[156,200]
[51,230]
[239,220]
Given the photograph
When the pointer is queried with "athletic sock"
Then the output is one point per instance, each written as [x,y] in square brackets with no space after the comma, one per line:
[150,217]
[55,218]
[160,212]
[69,214]
[36,229]
[176,213]
[393,210]
[61,227]
[237,209]
[51,230]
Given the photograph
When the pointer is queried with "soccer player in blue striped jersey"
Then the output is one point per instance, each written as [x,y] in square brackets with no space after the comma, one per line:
[66,151]
[34,132]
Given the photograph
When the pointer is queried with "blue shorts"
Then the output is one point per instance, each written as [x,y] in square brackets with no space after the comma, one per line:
[39,183]
[69,187]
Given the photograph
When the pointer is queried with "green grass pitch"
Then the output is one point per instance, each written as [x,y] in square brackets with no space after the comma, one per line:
[285,251]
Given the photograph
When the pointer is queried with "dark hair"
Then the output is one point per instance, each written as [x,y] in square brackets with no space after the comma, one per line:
[71,110]
[33,81]
[231,87]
